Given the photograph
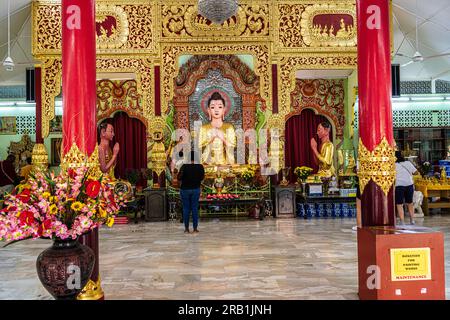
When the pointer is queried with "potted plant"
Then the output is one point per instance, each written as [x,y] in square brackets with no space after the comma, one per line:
[302,173]
[247,177]
[60,208]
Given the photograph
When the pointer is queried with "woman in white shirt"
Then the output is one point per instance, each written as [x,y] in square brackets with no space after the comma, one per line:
[404,186]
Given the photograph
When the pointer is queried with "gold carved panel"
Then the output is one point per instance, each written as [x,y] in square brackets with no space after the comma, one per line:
[171,53]
[181,22]
[306,25]
[111,26]
[51,88]
[119,95]
[140,66]
[122,27]
[143,69]
[289,65]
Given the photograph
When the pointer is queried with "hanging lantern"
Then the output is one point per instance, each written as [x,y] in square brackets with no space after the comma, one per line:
[217,11]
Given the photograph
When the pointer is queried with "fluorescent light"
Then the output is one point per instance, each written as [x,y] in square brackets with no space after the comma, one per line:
[401,99]
[427,98]
[25,104]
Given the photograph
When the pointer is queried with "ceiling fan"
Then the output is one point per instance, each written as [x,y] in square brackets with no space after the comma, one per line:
[8,63]
[418,57]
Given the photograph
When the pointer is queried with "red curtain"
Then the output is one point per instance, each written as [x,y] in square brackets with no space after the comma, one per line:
[299,131]
[131,134]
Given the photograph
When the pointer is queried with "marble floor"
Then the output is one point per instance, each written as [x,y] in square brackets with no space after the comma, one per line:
[228,259]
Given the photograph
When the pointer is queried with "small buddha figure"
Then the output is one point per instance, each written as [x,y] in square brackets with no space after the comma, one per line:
[219,183]
[107,157]
[351,165]
[217,138]
[325,156]
[342,32]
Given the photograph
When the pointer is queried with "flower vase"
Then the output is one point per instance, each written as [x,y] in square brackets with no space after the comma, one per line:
[64,268]
[303,188]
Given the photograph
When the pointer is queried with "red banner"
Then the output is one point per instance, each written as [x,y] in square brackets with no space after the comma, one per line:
[374,72]
[79,75]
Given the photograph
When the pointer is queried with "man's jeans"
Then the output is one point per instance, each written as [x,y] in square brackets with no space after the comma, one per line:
[190,198]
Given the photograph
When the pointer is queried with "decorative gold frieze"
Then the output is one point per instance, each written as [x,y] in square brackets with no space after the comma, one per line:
[329,25]
[111,26]
[323,25]
[183,22]
[377,165]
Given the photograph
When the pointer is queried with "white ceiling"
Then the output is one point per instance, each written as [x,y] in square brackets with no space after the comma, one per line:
[433,21]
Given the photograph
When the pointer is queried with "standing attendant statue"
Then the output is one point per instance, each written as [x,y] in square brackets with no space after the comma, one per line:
[325,155]
[106,156]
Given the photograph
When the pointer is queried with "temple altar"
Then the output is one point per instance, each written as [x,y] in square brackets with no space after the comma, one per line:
[173,60]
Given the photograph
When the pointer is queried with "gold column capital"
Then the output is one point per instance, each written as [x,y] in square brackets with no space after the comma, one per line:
[378,165]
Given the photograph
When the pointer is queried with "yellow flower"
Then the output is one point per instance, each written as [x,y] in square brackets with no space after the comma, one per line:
[53,199]
[110,222]
[103,213]
[46,194]
[76,206]
[53,209]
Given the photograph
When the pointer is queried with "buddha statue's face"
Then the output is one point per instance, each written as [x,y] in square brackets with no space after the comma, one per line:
[216,109]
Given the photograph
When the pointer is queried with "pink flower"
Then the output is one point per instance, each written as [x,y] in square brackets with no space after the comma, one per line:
[85,222]
[61,231]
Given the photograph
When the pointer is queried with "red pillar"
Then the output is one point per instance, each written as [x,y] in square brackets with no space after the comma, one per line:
[377,171]
[79,101]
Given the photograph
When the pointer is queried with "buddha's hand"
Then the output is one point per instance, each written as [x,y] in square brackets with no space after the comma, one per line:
[219,134]
[116,149]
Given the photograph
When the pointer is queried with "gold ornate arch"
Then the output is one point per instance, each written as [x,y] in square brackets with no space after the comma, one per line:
[170,67]
[230,70]
[288,66]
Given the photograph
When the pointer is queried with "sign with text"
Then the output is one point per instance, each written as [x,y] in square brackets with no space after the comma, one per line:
[409,264]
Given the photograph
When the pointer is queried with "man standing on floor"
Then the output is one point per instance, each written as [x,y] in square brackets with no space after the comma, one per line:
[190,176]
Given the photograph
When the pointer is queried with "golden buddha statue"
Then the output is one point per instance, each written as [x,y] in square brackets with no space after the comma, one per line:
[217,139]
[325,156]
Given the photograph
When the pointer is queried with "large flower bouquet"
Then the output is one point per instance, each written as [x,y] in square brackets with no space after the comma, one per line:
[303,172]
[63,206]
